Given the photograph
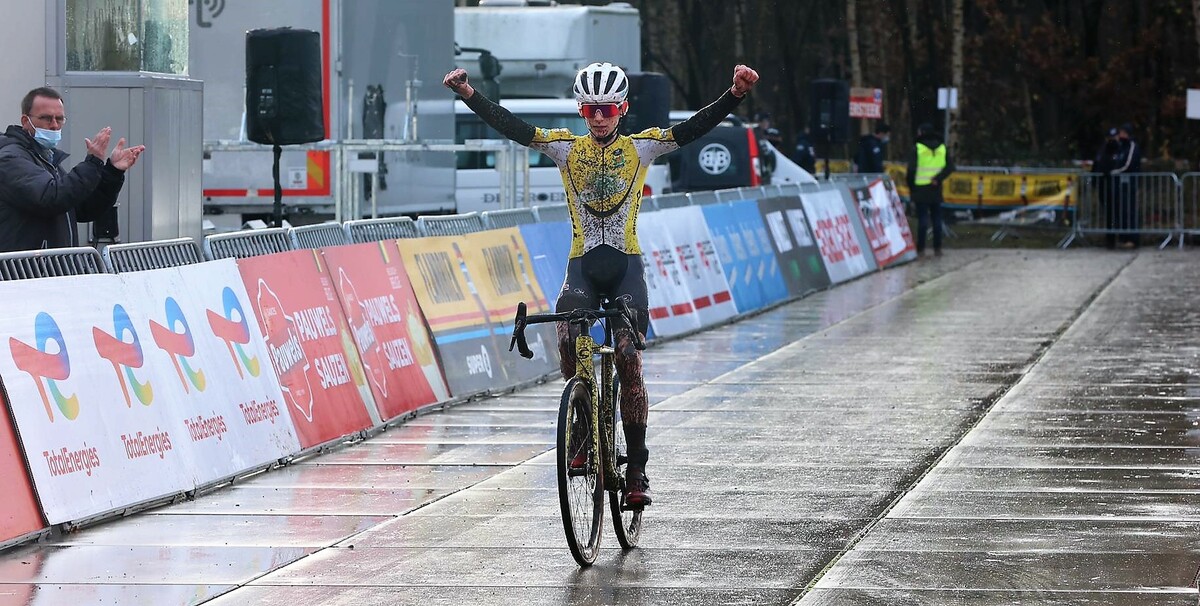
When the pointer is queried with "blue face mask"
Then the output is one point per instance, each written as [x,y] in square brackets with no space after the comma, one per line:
[47,138]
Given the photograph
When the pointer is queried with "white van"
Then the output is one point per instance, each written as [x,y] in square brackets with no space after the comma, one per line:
[478,182]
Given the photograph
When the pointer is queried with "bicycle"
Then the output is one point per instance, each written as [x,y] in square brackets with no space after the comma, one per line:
[589,414]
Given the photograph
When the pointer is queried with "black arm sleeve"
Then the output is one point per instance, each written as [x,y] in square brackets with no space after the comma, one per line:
[501,119]
[706,119]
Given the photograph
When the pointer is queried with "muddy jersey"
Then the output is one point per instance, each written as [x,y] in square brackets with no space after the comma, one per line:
[603,184]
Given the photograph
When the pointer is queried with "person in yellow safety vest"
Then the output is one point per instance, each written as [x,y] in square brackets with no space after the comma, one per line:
[928,167]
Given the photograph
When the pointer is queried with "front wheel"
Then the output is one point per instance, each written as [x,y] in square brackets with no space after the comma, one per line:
[627,523]
[580,482]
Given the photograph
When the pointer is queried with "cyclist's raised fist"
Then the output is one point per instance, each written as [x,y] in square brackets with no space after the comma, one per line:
[743,80]
[456,81]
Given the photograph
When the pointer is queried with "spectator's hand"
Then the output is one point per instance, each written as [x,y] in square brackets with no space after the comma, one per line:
[123,158]
[98,145]
[743,80]
[456,81]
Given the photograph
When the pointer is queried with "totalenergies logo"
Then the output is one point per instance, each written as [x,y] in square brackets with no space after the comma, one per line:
[46,367]
[124,356]
[234,330]
[176,339]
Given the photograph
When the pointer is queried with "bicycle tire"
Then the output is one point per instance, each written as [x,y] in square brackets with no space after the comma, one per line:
[580,492]
[627,523]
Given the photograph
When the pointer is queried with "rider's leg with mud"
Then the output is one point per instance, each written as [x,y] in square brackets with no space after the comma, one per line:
[634,414]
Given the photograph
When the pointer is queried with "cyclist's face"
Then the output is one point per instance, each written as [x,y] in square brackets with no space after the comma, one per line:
[602,126]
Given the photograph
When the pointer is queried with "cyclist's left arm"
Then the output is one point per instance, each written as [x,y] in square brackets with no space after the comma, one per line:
[708,118]
[501,119]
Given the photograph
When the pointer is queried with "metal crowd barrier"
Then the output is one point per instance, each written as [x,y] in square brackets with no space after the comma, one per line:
[247,243]
[731,194]
[509,217]
[1189,206]
[375,230]
[51,262]
[139,256]
[700,198]
[1128,206]
[552,212]
[450,225]
[668,201]
[318,235]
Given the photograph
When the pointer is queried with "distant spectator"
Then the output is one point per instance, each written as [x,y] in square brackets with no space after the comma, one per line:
[765,134]
[1127,162]
[1106,159]
[803,154]
[872,149]
[928,167]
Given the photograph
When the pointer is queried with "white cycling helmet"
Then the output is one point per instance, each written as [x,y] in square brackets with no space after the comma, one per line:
[601,83]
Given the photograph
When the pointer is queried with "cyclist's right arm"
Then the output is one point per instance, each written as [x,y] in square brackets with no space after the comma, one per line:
[492,113]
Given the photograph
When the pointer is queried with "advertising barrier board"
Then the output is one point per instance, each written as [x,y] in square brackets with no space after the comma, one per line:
[133,387]
[750,269]
[19,513]
[671,309]
[469,344]
[309,344]
[702,271]
[500,259]
[388,328]
[836,235]
[219,372]
[794,244]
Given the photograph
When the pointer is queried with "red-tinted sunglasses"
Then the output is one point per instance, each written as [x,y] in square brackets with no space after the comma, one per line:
[608,110]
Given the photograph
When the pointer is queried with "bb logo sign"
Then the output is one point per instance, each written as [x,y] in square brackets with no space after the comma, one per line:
[715,158]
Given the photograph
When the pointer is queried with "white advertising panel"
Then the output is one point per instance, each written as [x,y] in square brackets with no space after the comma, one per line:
[671,310]
[226,393]
[844,255]
[709,289]
[89,396]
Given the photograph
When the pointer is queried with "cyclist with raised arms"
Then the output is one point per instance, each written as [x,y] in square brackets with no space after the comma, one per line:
[603,173]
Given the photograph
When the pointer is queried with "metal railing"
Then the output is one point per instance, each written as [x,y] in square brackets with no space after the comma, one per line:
[139,256]
[668,201]
[1126,207]
[375,230]
[450,225]
[1189,206]
[348,188]
[318,235]
[511,217]
[727,195]
[552,212]
[51,262]
[247,243]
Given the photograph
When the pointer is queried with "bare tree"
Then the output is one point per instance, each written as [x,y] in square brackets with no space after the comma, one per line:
[957,28]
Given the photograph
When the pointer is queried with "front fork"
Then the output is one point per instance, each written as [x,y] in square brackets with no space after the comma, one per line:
[603,427]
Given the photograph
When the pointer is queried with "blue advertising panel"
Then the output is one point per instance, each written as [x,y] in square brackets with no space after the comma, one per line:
[744,248]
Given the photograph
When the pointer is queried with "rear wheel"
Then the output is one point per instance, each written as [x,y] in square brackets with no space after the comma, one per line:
[580,485]
[626,523]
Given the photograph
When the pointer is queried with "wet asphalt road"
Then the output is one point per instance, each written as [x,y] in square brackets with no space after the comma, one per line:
[1011,427]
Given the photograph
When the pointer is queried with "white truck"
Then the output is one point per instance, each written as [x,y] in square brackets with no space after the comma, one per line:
[540,47]
[382,61]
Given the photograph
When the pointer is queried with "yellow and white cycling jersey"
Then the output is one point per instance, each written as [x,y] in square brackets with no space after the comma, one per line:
[603,184]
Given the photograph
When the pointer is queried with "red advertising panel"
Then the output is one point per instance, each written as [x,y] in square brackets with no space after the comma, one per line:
[309,344]
[19,514]
[387,325]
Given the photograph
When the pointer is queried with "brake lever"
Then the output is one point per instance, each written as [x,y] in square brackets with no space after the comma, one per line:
[518,336]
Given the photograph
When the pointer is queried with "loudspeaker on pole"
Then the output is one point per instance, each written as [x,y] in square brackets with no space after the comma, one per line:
[284,92]
[829,112]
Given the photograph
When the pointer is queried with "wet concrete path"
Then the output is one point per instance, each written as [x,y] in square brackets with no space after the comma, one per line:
[986,428]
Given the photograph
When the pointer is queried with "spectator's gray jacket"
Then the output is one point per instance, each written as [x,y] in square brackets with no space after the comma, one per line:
[40,203]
